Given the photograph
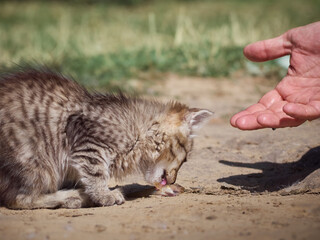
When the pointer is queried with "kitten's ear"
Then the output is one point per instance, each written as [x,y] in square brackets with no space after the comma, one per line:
[196,118]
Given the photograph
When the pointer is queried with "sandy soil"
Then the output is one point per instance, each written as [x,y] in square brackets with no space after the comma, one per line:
[239,185]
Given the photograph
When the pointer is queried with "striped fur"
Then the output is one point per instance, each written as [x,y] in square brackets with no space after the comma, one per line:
[60,144]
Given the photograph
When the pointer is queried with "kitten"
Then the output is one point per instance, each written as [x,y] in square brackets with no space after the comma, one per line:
[60,144]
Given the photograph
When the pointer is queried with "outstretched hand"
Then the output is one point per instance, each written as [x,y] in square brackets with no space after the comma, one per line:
[297,97]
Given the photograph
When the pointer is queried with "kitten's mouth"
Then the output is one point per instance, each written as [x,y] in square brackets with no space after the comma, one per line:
[163,178]
[163,181]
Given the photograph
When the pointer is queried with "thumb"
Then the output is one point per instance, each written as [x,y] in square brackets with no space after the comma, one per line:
[310,111]
[268,49]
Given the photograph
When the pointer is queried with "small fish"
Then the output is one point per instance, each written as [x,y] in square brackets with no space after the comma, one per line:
[169,190]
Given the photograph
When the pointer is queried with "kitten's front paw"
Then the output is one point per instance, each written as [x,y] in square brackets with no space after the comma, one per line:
[111,198]
[72,203]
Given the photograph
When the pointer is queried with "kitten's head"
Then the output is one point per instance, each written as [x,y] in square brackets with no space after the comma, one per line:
[170,140]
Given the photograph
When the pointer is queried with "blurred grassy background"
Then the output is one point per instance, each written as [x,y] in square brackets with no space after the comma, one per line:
[105,43]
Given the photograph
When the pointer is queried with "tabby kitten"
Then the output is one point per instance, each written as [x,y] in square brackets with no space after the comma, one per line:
[60,144]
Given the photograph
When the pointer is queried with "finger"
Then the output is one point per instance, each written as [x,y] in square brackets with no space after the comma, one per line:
[271,117]
[270,99]
[278,120]
[268,49]
[310,111]
[248,122]
[252,109]
[275,117]
[235,117]
[265,102]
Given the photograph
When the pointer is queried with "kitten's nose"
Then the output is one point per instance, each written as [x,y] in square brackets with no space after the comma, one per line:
[169,181]
[171,177]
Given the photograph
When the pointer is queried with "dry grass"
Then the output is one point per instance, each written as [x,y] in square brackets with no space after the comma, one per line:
[103,44]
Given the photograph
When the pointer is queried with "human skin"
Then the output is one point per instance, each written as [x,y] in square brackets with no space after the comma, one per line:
[296,98]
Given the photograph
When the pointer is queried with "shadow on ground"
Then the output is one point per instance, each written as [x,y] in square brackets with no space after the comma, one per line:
[274,176]
[134,191]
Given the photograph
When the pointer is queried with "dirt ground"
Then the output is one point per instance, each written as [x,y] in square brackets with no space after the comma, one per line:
[239,184]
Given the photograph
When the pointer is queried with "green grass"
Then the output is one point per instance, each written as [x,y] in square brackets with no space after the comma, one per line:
[103,44]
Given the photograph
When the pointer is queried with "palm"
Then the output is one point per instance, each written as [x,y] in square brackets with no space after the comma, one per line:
[297,97]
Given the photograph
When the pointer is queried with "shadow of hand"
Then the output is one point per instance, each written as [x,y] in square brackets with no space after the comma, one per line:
[274,176]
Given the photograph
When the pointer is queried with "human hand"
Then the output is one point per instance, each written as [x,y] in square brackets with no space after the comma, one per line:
[297,97]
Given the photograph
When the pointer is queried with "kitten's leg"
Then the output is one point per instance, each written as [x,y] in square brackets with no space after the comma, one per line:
[87,160]
[99,193]
[63,198]
[94,181]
